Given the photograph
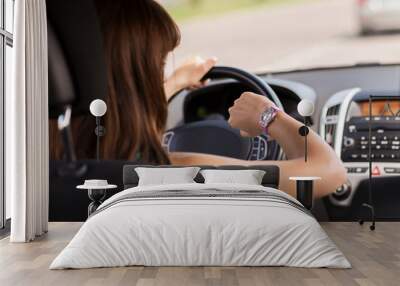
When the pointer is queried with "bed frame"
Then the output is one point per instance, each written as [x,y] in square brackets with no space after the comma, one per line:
[271,177]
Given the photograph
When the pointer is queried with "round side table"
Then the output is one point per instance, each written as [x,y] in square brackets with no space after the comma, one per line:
[96,195]
[304,190]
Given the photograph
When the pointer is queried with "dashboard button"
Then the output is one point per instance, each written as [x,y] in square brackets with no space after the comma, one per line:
[360,170]
[348,142]
[352,128]
[342,192]
[354,156]
[390,170]
[356,170]
[376,171]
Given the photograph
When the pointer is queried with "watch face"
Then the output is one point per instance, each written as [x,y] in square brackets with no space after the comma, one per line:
[267,116]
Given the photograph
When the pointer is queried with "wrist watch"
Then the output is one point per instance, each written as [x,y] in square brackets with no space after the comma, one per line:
[268,116]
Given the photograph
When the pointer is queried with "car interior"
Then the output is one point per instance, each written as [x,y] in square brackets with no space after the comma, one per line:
[198,117]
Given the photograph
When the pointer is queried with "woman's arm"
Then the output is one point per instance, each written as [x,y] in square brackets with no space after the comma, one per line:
[188,75]
[322,160]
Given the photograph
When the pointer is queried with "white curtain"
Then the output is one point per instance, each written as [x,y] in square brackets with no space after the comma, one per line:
[27,124]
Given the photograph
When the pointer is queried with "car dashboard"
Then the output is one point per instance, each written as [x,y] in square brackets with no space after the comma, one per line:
[343,120]
[341,102]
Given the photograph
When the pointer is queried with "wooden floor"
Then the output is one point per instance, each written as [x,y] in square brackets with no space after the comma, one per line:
[375,257]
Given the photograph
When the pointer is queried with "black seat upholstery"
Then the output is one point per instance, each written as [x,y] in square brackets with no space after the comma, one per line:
[77,70]
[77,75]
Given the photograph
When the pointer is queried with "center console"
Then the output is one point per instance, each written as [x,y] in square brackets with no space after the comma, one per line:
[385,138]
[346,125]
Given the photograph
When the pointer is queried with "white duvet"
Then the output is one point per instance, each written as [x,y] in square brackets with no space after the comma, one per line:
[204,231]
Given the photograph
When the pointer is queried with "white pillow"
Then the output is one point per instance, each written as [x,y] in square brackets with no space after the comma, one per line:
[166,176]
[247,177]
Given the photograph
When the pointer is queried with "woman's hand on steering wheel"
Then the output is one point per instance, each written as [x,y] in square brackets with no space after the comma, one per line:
[246,112]
[189,75]
[217,137]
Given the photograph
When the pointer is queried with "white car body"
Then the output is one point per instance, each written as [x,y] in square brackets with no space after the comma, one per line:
[379,15]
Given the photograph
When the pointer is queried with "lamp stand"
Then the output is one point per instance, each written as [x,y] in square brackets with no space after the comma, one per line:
[303,131]
[305,141]
[100,131]
[370,205]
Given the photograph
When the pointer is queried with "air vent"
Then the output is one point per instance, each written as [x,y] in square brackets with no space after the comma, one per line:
[331,120]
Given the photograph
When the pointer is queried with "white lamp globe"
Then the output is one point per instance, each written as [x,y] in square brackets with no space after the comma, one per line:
[98,108]
[305,108]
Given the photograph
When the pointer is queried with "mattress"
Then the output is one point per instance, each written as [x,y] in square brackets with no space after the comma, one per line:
[201,225]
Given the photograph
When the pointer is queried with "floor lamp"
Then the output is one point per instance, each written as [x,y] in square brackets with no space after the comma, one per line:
[369,204]
[304,185]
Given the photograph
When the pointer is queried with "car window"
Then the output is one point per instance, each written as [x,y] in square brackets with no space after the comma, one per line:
[279,35]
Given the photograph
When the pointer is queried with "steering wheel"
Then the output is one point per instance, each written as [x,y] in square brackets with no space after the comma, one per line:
[216,136]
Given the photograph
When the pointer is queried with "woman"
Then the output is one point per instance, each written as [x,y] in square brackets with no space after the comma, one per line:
[138,36]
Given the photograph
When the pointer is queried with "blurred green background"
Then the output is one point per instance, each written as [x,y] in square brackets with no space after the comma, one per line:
[186,9]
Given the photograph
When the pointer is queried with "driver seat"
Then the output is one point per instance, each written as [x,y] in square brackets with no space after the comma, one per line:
[77,75]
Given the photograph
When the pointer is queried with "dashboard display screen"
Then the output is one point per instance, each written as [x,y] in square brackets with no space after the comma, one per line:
[381,108]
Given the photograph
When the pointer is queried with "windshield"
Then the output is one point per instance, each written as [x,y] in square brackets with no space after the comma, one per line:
[281,35]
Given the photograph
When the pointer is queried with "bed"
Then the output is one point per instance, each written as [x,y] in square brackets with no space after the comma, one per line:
[201,224]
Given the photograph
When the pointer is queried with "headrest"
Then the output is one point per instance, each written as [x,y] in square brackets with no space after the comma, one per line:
[76,56]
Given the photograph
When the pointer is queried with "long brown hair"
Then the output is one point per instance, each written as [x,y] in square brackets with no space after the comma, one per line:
[138,35]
